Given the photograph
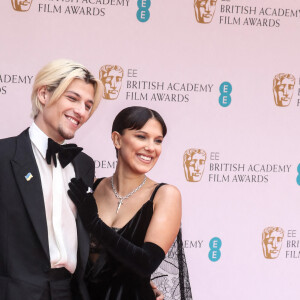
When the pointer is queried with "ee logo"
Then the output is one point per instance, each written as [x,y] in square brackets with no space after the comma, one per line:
[215,245]
[143,14]
[298,177]
[225,90]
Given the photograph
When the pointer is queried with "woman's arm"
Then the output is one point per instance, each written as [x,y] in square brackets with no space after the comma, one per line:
[143,260]
[166,219]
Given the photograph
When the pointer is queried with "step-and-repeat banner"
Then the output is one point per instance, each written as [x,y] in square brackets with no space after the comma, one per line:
[225,76]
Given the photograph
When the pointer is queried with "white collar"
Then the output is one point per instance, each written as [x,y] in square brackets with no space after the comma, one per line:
[39,139]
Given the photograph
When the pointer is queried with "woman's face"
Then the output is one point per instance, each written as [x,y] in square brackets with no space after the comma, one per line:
[140,149]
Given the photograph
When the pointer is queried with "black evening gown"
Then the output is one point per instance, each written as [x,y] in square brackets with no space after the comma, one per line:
[108,279]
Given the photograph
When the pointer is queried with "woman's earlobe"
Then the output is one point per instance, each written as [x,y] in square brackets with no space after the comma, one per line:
[116,138]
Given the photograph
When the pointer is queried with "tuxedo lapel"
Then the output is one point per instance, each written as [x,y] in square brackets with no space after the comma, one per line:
[31,190]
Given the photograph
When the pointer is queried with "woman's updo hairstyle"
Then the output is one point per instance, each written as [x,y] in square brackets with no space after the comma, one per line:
[135,117]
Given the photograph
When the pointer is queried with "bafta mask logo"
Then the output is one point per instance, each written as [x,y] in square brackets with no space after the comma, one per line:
[204,10]
[283,89]
[193,164]
[20,5]
[111,77]
[272,238]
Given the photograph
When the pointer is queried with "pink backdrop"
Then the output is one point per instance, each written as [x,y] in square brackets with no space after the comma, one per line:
[172,47]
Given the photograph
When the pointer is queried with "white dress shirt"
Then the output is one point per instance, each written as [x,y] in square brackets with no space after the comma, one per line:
[60,210]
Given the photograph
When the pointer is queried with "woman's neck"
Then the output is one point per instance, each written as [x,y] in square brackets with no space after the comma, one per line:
[125,181]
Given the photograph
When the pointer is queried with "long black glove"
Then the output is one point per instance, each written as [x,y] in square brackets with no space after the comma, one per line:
[142,260]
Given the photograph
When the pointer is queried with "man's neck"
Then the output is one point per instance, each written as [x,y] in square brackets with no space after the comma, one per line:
[46,130]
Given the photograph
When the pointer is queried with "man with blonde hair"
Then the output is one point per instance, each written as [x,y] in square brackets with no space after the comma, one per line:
[43,245]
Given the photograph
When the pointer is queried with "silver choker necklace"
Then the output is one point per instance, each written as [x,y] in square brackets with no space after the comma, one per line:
[120,202]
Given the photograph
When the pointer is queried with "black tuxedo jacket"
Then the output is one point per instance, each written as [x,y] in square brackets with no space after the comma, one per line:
[24,249]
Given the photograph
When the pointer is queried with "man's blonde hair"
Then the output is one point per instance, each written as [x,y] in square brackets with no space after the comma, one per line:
[57,76]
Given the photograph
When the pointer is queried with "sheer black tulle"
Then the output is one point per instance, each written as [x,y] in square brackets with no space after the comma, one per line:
[172,277]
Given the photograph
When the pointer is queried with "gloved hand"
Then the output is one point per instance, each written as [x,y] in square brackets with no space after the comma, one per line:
[85,203]
[142,260]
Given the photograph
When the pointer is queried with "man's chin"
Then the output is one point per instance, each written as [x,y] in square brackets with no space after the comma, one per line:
[66,135]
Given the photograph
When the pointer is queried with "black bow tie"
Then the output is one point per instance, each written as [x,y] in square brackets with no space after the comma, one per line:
[66,153]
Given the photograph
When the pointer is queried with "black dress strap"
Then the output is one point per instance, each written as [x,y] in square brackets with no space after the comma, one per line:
[155,190]
[98,180]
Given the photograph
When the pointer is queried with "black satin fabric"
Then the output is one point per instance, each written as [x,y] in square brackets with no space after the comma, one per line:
[108,279]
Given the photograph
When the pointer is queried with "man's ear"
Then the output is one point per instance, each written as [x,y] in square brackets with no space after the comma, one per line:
[43,95]
[116,138]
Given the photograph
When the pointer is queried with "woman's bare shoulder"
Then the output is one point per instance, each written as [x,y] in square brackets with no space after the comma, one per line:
[168,193]
[169,190]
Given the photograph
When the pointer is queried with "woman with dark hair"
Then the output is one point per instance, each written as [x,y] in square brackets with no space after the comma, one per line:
[133,220]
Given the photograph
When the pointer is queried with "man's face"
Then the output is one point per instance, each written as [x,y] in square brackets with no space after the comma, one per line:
[204,10]
[112,82]
[272,244]
[194,167]
[21,5]
[61,119]
[283,92]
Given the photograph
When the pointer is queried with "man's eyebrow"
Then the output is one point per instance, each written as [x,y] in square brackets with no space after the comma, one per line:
[74,93]
[78,95]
